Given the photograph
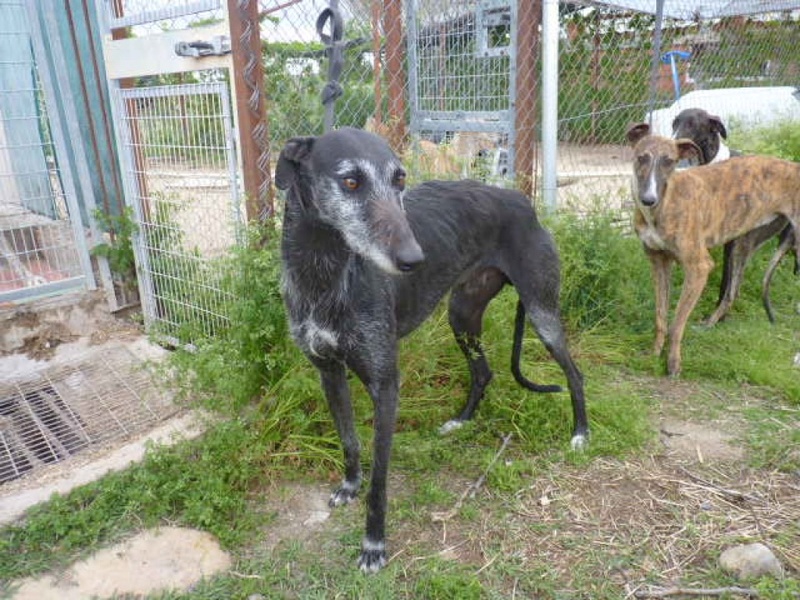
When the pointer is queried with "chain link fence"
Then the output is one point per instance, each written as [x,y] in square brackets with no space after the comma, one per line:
[466,99]
[455,86]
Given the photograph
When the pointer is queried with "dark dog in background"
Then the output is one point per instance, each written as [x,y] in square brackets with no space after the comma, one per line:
[708,132]
[680,214]
[365,263]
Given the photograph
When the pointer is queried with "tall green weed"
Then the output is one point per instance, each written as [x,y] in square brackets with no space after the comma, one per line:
[242,361]
[605,276]
[781,139]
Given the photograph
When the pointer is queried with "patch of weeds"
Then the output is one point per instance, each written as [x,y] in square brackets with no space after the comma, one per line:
[781,139]
[118,250]
[508,475]
[436,578]
[429,493]
[236,366]
[745,353]
[202,483]
[778,589]
[605,276]
[773,438]
[542,423]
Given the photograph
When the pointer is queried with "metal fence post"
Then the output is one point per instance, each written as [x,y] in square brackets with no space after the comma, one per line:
[527,106]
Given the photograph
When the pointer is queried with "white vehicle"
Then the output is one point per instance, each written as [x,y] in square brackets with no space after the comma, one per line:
[737,107]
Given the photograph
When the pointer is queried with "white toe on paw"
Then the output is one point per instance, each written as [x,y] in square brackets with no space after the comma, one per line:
[451,425]
[579,442]
[373,556]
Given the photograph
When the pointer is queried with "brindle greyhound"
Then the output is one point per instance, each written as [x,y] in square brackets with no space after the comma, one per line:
[708,131]
[681,214]
[365,263]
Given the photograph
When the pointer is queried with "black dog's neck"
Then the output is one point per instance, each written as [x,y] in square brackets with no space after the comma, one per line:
[316,255]
[709,147]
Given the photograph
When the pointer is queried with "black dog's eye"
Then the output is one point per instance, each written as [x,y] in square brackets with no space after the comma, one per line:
[400,180]
[350,183]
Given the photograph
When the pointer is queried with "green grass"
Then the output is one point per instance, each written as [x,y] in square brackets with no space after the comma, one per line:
[271,425]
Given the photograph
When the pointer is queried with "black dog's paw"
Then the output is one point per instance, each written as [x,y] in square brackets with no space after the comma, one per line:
[373,556]
[343,495]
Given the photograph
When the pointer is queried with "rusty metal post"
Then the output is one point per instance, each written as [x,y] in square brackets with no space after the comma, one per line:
[251,108]
[377,75]
[396,109]
[527,109]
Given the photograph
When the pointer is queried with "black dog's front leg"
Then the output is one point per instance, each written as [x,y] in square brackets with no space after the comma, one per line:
[373,548]
[334,382]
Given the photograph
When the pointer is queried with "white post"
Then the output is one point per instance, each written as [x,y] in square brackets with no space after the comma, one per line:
[549,102]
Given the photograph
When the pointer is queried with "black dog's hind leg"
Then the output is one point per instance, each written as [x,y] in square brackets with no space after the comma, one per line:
[468,302]
[538,286]
[547,324]
[333,376]
[725,299]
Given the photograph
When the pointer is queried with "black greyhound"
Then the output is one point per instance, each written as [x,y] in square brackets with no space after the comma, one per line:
[365,264]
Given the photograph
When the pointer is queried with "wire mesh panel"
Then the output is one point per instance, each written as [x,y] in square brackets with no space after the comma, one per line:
[160,15]
[461,105]
[37,246]
[181,173]
[296,66]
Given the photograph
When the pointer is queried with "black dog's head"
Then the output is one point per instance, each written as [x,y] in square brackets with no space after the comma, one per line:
[654,160]
[351,180]
[703,128]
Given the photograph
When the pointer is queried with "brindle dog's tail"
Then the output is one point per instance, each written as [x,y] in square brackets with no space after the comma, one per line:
[787,243]
[516,351]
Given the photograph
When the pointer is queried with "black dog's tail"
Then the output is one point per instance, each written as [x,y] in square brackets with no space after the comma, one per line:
[516,351]
[787,242]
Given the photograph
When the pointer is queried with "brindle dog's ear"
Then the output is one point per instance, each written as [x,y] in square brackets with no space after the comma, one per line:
[687,149]
[716,122]
[294,154]
[637,132]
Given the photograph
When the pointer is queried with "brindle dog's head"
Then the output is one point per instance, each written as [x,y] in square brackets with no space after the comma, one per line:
[654,160]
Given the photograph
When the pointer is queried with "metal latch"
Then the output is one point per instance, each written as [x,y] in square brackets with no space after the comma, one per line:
[219,45]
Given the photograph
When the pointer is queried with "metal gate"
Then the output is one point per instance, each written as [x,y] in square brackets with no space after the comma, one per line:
[462,68]
[178,157]
[180,176]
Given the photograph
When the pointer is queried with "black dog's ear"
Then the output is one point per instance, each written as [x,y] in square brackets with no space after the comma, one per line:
[716,123]
[637,132]
[294,153]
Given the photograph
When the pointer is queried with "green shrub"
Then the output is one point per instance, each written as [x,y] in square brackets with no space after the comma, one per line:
[241,361]
[781,139]
[605,276]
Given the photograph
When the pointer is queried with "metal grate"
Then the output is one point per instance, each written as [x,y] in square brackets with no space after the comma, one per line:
[94,400]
